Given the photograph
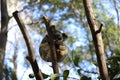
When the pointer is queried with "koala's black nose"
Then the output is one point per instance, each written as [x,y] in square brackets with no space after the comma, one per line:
[59,38]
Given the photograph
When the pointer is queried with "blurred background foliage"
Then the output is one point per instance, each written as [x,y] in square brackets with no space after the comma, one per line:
[69,16]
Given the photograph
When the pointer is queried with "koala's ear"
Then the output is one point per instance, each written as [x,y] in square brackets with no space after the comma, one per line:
[64,36]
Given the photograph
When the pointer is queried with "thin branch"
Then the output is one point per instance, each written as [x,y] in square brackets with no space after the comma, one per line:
[25,7]
[32,23]
[100,29]
[108,42]
[52,45]
[31,53]
[88,71]
[117,12]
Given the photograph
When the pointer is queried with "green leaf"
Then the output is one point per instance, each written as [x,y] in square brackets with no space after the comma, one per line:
[55,1]
[54,76]
[115,57]
[73,52]
[76,60]
[79,71]
[13,74]
[45,75]
[31,75]
[65,74]
[95,63]
[117,76]
[85,78]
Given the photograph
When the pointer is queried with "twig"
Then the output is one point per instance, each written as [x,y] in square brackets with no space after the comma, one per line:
[31,56]
[52,45]
[100,29]
[117,12]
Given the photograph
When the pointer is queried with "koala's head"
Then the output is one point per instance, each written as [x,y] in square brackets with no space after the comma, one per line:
[59,37]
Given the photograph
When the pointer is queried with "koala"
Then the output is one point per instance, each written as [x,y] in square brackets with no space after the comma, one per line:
[61,48]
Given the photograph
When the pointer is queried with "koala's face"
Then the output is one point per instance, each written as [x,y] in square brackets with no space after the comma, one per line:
[59,37]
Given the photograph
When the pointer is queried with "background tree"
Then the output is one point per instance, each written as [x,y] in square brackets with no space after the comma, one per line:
[3,34]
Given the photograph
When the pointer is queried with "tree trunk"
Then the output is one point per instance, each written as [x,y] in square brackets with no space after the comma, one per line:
[97,39]
[3,34]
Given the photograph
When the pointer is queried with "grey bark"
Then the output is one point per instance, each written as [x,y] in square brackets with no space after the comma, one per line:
[97,39]
[3,34]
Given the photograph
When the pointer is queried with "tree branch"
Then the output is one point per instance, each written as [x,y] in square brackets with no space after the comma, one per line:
[31,53]
[100,29]
[52,45]
[97,39]
[3,34]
